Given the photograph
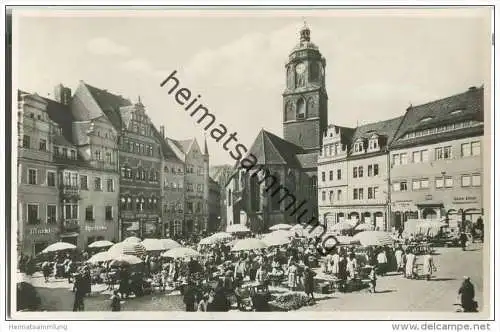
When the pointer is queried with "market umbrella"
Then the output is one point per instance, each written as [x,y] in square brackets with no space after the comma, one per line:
[222,236]
[249,244]
[101,244]
[58,246]
[100,257]
[153,245]
[181,252]
[237,228]
[297,227]
[343,226]
[277,238]
[169,244]
[374,238]
[126,260]
[132,239]
[127,248]
[364,227]
[280,226]
[301,232]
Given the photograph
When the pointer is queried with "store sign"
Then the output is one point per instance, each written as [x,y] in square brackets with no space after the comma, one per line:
[402,205]
[41,231]
[95,228]
[465,199]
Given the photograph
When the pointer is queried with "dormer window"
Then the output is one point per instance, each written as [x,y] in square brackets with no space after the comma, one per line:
[426,119]
[358,147]
[373,144]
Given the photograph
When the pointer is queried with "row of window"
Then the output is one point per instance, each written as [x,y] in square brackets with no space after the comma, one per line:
[130,203]
[372,170]
[439,130]
[173,170]
[332,149]
[373,145]
[190,207]
[199,187]
[139,174]
[440,153]
[469,180]
[190,169]
[70,179]
[70,211]
[331,195]
[357,194]
[173,185]
[339,175]
[138,148]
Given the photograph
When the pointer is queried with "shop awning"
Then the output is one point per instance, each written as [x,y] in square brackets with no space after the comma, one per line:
[69,234]
[430,203]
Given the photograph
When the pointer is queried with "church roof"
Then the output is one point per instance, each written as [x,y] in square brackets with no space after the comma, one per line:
[308,160]
[270,149]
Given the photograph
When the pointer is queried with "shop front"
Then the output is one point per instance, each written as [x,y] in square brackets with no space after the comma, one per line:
[151,226]
[92,233]
[37,238]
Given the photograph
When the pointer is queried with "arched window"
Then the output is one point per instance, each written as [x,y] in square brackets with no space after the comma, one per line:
[129,203]
[301,109]
[255,193]
[123,203]
[289,111]
[275,199]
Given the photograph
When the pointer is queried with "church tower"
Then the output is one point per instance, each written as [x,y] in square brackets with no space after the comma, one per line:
[305,110]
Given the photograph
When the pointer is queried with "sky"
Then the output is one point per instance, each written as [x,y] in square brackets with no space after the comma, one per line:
[378,62]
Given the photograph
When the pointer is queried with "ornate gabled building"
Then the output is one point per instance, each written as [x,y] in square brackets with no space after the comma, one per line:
[139,157]
[437,161]
[353,174]
[73,197]
[196,186]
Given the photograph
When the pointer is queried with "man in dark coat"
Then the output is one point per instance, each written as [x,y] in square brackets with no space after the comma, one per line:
[79,289]
[480,227]
[190,297]
[463,240]
[467,295]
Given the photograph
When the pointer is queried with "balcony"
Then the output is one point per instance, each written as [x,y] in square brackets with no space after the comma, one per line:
[69,192]
[70,226]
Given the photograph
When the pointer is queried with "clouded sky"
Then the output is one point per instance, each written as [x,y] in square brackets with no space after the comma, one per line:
[378,61]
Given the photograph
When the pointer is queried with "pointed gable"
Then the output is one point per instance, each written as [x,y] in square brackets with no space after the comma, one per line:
[270,149]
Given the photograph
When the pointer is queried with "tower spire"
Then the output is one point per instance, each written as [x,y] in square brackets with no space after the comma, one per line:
[305,33]
[205,149]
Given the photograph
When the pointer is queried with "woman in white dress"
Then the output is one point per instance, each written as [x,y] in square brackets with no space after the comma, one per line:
[429,266]
[335,262]
[399,258]
[351,266]
[410,264]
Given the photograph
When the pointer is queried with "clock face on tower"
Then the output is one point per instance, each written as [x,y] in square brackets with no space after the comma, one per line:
[300,68]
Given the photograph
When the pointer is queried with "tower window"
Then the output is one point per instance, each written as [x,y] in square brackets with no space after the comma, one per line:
[301,109]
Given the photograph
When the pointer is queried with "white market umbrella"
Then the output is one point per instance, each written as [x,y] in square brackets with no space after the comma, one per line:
[132,239]
[222,236]
[58,246]
[169,244]
[237,228]
[374,238]
[364,227]
[124,248]
[100,257]
[153,245]
[280,227]
[297,227]
[182,252]
[249,244]
[277,238]
[101,244]
[342,226]
[126,260]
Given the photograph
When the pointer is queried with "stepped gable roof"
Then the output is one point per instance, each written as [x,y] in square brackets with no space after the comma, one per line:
[110,104]
[308,160]
[385,129]
[61,115]
[270,149]
[464,106]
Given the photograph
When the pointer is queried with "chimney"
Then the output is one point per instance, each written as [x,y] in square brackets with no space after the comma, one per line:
[62,94]
[162,131]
